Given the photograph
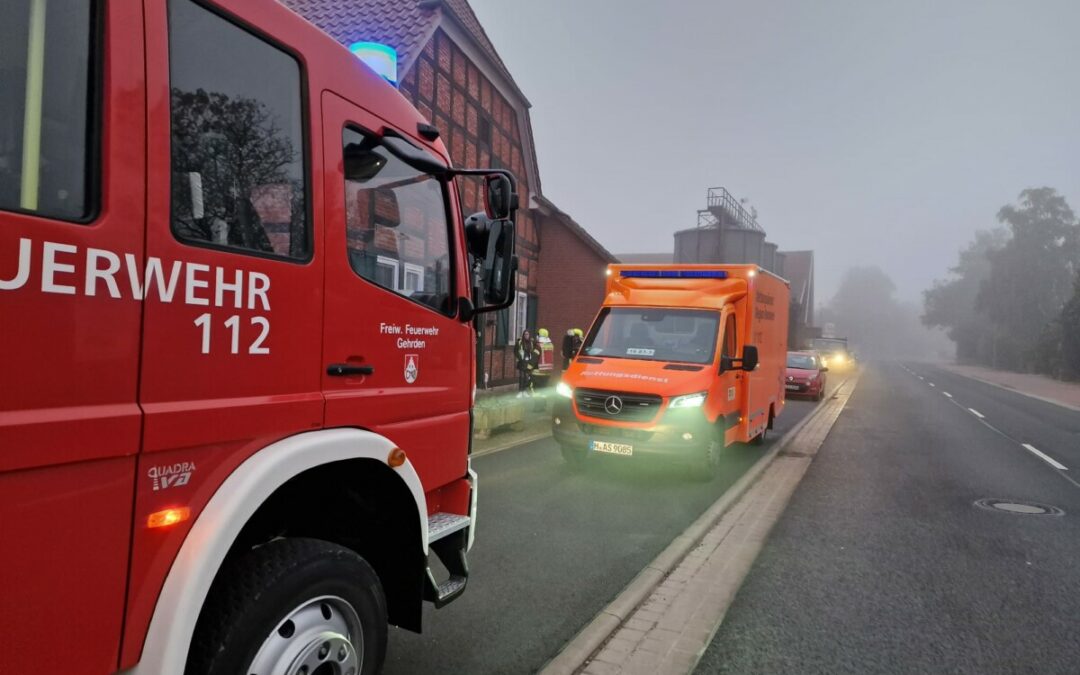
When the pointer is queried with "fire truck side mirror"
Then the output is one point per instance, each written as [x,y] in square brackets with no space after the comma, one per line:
[500,200]
[500,264]
[417,158]
[491,245]
[361,163]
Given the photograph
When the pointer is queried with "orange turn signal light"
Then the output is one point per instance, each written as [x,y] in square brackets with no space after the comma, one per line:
[168,517]
[396,458]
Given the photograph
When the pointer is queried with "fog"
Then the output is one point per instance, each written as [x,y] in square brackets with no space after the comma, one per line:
[879,134]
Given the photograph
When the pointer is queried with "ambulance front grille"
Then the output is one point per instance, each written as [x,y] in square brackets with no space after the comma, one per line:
[616,405]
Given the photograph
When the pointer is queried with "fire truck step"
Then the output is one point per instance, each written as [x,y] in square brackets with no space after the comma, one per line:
[448,535]
[444,524]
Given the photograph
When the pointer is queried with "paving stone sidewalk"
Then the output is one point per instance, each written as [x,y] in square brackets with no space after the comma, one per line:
[671,629]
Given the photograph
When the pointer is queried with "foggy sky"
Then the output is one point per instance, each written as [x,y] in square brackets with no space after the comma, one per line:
[874,132]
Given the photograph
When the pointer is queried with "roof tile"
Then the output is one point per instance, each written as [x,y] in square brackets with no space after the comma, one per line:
[405,25]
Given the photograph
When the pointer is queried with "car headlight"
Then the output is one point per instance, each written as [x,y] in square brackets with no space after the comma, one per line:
[563,389]
[689,400]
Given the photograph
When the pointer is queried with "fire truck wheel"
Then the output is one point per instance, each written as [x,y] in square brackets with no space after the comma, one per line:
[574,457]
[292,607]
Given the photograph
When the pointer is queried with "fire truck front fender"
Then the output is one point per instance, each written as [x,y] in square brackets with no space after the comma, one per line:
[165,649]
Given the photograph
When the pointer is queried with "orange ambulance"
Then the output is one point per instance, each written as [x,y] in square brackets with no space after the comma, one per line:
[681,361]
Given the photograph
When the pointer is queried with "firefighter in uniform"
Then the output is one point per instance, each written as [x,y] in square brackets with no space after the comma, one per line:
[546,362]
[570,345]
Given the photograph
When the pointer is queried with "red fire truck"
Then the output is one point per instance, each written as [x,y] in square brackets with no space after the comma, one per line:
[236,343]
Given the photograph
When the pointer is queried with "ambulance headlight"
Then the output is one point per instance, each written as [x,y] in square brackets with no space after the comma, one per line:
[689,400]
[563,389]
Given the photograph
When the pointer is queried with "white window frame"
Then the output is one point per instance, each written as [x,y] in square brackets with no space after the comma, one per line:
[393,263]
[512,334]
[406,270]
[519,317]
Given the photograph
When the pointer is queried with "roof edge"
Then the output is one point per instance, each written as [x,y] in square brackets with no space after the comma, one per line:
[577,229]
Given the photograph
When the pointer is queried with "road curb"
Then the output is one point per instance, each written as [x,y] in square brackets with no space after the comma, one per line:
[589,639]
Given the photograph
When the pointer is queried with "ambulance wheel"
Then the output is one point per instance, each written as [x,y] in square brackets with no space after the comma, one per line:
[574,457]
[292,607]
[760,438]
[707,465]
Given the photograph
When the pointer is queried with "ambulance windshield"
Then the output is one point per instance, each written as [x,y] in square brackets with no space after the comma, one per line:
[654,334]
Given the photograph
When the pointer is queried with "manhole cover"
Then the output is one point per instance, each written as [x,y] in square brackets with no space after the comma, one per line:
[1019,508]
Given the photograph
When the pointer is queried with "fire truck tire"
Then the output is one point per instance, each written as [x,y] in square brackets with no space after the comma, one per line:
[292,606]
[574,457]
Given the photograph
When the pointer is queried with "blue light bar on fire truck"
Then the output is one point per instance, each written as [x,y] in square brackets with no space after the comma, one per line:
[674,274]
[379,57]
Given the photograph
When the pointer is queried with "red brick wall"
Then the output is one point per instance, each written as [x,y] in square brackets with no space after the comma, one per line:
[571,285]
[449,89]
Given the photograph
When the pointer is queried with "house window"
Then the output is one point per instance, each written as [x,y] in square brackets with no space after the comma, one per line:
[412,279]
[521,314]
[533,313]
[483,131]
[502,328]
[386,272]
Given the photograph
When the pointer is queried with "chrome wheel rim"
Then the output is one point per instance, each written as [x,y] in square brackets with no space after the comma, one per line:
[321,636]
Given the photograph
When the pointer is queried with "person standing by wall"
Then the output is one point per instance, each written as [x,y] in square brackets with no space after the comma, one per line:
[527,356]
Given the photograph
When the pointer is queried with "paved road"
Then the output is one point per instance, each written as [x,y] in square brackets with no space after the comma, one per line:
[881,562]
[553,548]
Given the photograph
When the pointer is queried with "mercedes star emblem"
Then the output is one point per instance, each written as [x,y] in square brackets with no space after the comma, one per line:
[613,405]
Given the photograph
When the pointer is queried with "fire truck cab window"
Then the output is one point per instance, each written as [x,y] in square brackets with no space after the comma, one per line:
[46,79]
[395,222]
[237,144]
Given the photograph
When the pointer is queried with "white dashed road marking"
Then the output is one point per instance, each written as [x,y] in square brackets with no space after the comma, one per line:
[1046,458]
[921,377]
[932,384]
[1027,446]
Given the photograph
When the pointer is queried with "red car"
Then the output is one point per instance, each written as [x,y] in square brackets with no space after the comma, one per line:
[805,375]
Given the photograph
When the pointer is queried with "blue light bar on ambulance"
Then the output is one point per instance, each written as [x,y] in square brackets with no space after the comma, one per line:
[379,57]
[674,274]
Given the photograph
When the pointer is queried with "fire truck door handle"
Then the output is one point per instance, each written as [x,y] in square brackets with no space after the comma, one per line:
[346,369]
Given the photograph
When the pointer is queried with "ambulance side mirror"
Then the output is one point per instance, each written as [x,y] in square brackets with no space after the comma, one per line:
[748,362]
[749,357]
